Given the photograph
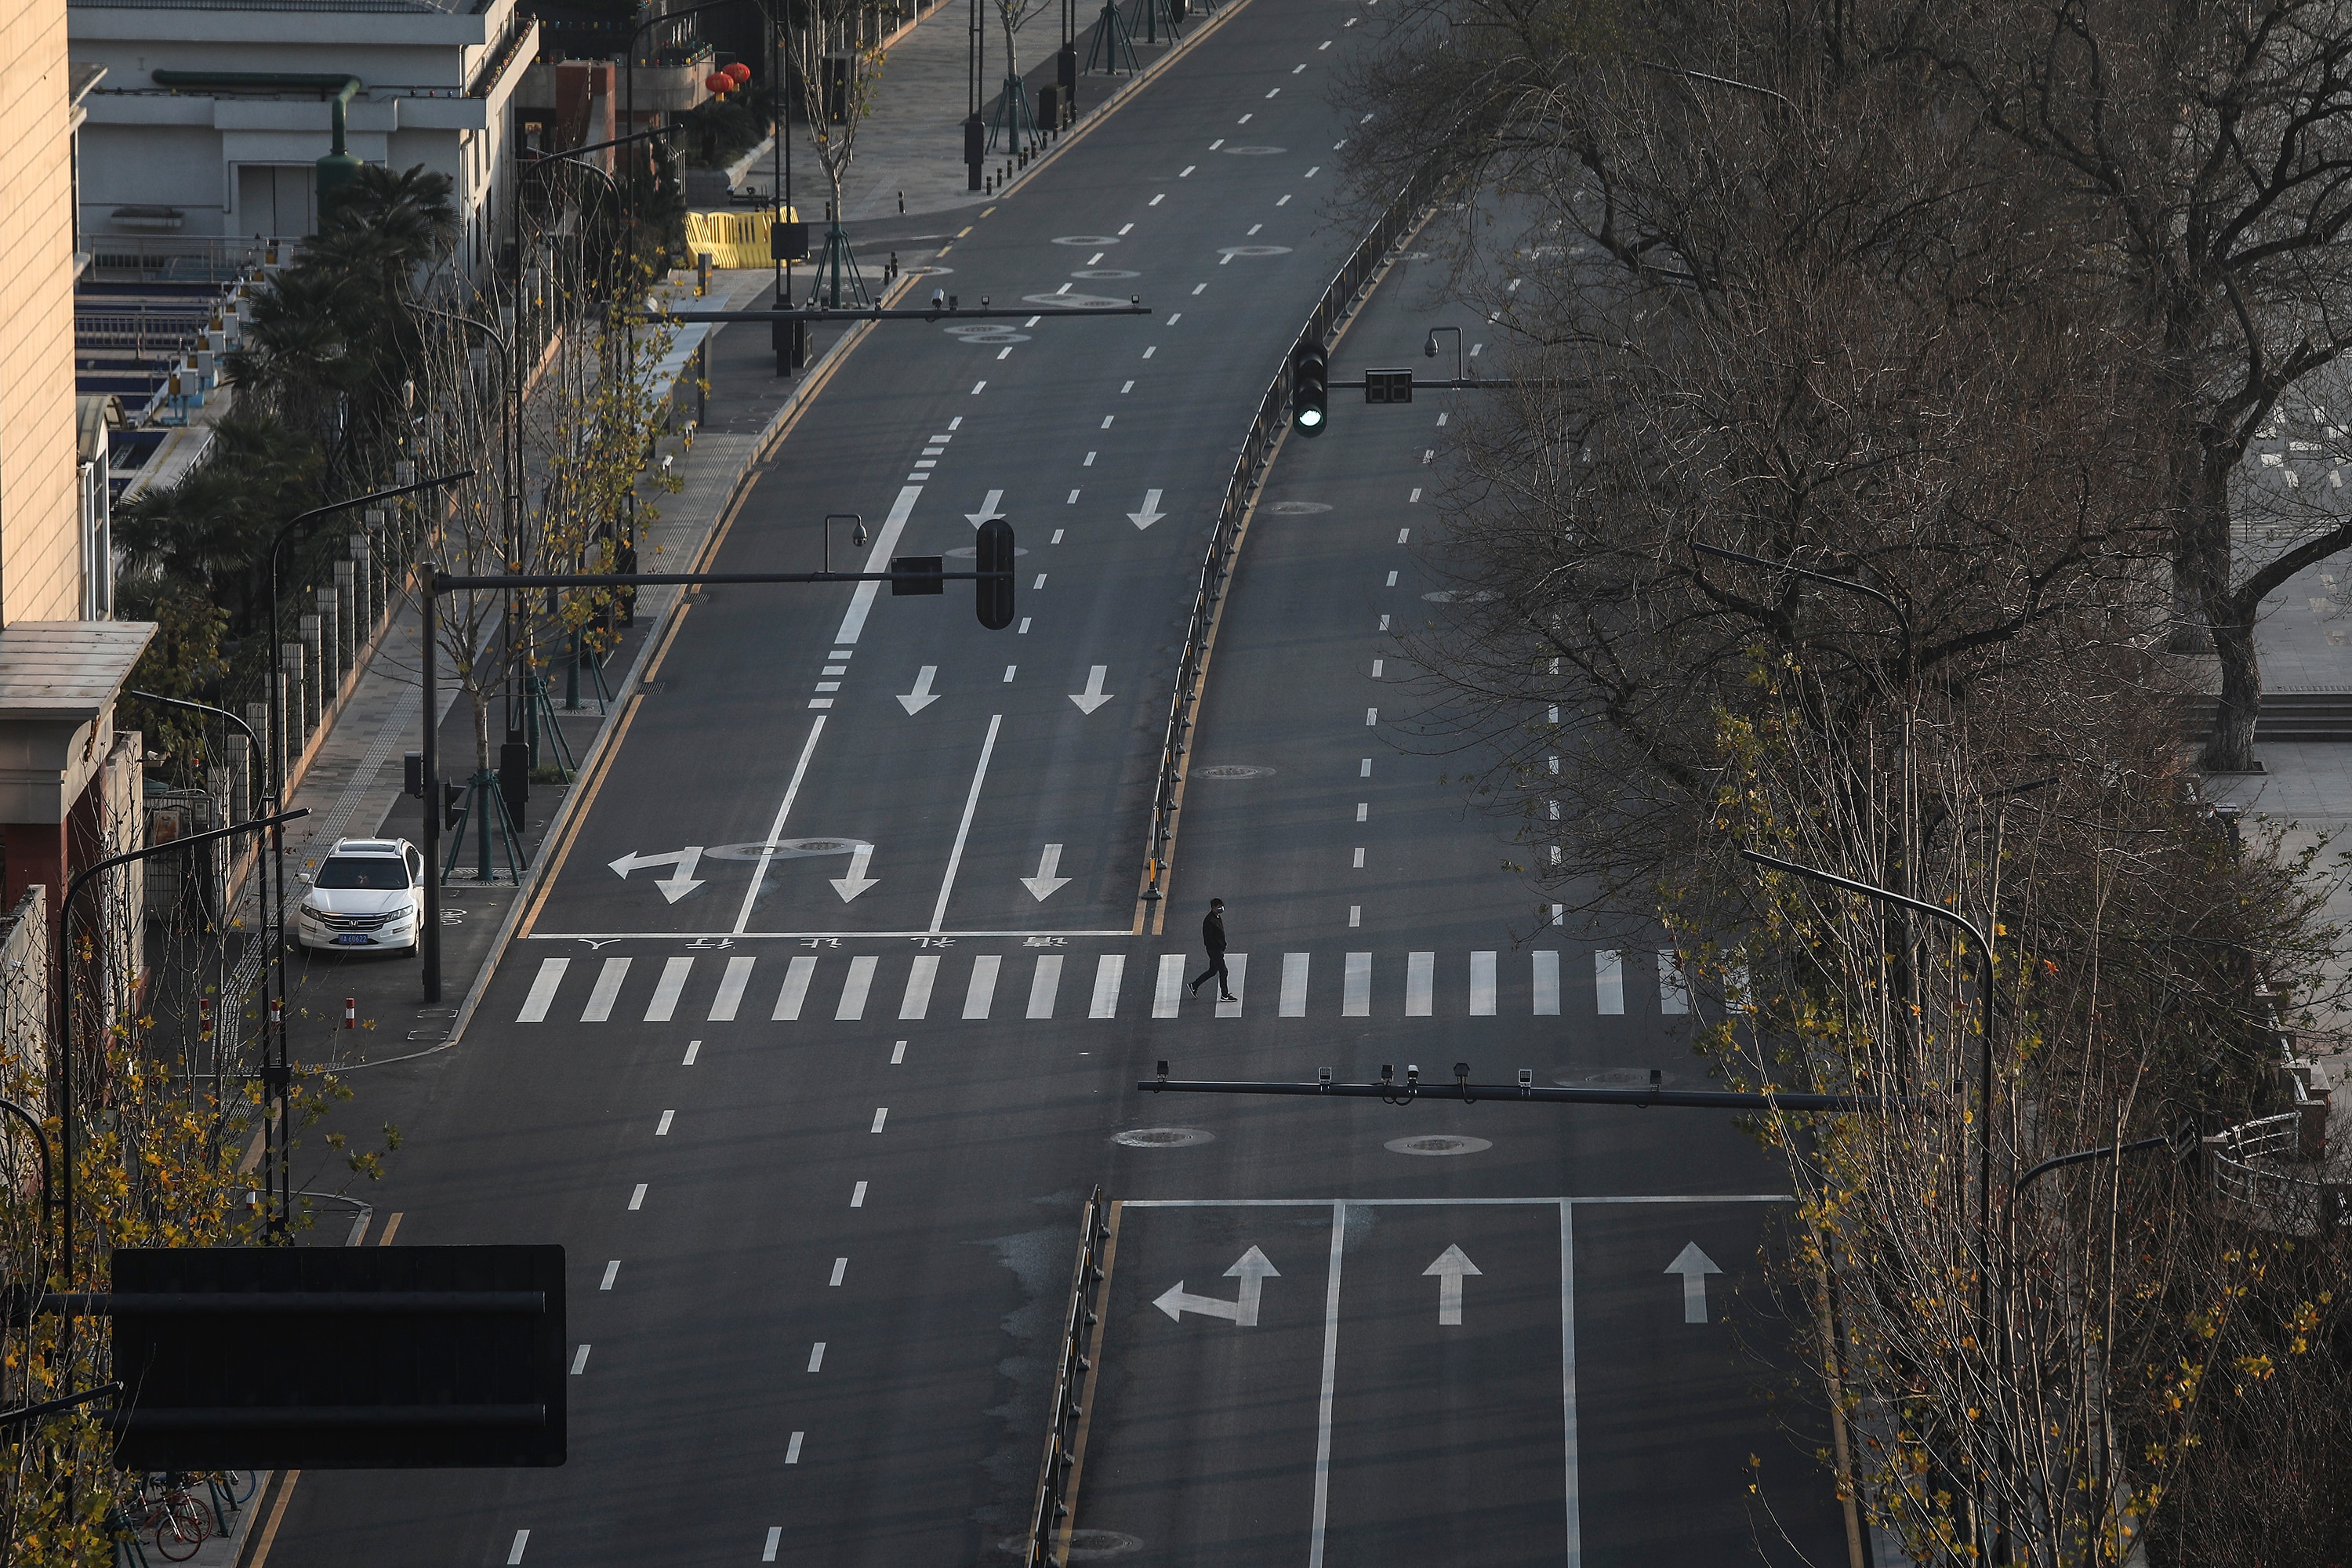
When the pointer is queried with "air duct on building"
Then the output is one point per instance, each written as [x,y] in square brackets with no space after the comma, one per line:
[338,167]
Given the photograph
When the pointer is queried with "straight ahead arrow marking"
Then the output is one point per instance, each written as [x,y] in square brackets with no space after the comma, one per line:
[922,697]
[987,510]
[1093,696]
[857,881]
[1150,512]
[1046,884]
[1694,1266]
[1450,1266]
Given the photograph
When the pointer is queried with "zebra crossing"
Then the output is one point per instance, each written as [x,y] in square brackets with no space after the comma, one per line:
[808,987]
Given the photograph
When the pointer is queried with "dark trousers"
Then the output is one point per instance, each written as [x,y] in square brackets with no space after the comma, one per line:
[1217,969]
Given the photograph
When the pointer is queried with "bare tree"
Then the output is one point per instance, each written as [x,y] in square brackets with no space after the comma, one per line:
[829,31]
[2201,153]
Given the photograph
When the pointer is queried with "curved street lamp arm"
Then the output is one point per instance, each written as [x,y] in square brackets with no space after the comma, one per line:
[1869,891]
[41,1142]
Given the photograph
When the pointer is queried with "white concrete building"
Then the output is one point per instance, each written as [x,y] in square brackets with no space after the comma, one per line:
[221,158]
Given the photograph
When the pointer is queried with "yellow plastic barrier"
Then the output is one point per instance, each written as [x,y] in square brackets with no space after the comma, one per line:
[734,238]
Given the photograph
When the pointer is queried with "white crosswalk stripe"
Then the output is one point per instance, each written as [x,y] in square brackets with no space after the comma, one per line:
[1482,983]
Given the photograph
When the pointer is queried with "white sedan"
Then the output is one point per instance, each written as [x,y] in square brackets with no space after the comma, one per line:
[367,895]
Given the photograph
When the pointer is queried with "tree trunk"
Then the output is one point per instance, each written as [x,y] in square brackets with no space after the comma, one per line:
[2230,747]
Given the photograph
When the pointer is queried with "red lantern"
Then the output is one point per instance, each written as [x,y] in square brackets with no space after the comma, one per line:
[720,82]
[740,72]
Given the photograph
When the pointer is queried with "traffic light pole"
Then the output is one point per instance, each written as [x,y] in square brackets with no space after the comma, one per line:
[993,589]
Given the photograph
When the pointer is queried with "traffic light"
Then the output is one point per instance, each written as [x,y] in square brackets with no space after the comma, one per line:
[453,804]
[992,596]
[1310,388]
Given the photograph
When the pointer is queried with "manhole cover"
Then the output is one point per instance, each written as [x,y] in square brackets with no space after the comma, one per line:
[1253,250]
[1296,508]
[1163,1137]
[1086,1545]
[1072,301]
[1254,152]
[1104,272]
[783,848]
[1437,1143]
[1093,240]
[1231,771]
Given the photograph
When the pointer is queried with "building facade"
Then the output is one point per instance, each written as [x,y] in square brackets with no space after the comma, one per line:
[217,151]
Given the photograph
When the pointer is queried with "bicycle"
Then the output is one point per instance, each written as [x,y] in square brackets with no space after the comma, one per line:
[179,1521]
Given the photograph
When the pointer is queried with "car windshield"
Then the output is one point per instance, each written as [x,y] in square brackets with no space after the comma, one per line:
[384,872]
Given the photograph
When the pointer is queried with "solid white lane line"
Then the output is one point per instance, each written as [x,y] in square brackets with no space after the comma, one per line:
[1482,984]
[857,1196]
[792,1448]
[776,1532]
[1567,1379]
[886,540]
[1419,983]
[1168,990]
[1674,992]
[611,1272]
[607,988]
[881,1115]
[981,992]
[580,1361]
[816,1355]
[666,990]
[1237,969]
[693,1049]
[898,1054]
[840,1267]
[1293,985]
[797,975]
[963,828]
[522,1539]
[1608,982]
[1044,984]
[918,999]
[1356,987]
[542,990]
[661,1128]
[1330,1388]
[637,1198]
[1547,983]
[776,828]
[1109,970]
[731,989]
[854,989]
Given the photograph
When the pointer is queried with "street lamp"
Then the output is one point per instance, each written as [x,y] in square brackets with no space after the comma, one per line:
[856,536]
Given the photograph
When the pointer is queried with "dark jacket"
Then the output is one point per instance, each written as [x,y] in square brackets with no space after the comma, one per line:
[1212,931]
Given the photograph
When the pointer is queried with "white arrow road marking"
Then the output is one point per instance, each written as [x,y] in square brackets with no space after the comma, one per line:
[679,883]
[1046,884]
[1150,512]
[857,881]
[1694,1266]
[1093,696]
[1450,1267]
[922,697]
[987,510]
[1251,1269]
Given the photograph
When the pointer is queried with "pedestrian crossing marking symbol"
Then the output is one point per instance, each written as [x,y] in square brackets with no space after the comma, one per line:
[1484,984]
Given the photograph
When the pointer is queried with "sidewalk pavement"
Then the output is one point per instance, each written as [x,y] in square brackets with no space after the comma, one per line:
[2304,639]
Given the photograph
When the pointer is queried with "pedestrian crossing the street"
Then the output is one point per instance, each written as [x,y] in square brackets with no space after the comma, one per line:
[846,988]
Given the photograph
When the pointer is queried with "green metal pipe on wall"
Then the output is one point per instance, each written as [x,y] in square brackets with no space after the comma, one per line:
[338,167]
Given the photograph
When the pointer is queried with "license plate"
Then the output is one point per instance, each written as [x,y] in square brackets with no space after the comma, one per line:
[352,938]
